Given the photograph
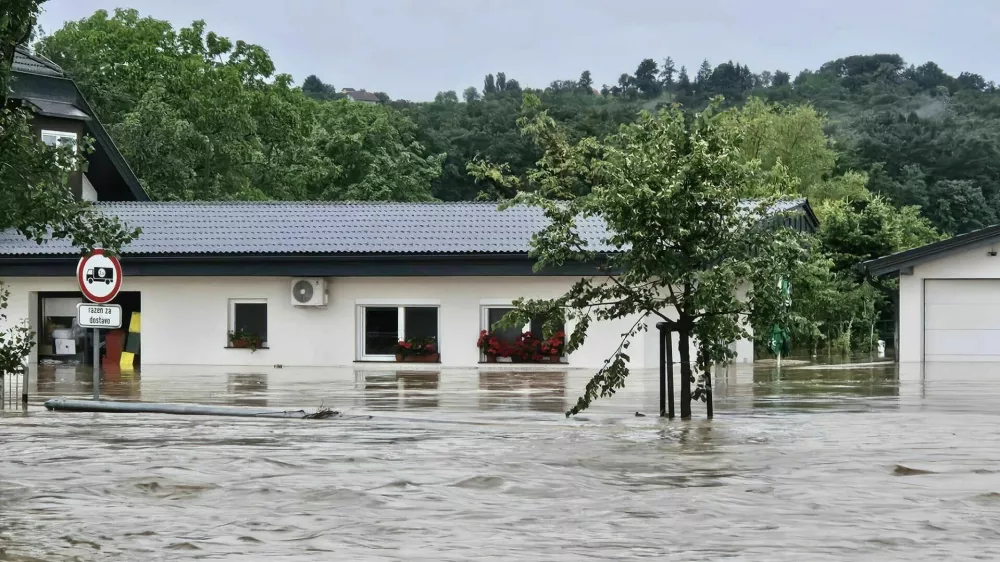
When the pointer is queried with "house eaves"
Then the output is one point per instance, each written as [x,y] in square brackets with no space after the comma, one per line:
[903,262]
[47,85]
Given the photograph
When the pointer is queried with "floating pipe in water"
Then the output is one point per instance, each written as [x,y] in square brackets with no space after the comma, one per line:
[67,405]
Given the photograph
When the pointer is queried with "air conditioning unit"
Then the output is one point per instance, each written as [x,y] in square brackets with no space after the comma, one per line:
[308,292]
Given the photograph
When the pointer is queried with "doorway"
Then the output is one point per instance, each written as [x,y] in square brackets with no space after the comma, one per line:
[61,341]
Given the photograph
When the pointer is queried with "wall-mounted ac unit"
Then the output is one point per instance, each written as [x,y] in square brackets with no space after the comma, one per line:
[308,292]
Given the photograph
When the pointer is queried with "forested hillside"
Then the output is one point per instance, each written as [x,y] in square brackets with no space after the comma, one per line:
[891,154]
[203,117]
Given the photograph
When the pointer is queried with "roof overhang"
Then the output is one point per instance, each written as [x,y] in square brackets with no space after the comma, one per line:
[56,96]
[903,262]
[300,265]
[61,110]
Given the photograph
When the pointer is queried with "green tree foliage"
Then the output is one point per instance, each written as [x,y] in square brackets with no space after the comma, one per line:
[683,82]
[792,135]
[852,230]
[667,72]
[671,190]
[199,116]
[647,79]
[35,199]
[471,94]
[369,153]
[229,122]
[316,89]
[871,139]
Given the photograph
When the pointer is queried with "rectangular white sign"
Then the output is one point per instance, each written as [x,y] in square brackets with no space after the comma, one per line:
[89,315]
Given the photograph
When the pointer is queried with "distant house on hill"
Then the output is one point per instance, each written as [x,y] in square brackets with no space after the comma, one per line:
[360,95]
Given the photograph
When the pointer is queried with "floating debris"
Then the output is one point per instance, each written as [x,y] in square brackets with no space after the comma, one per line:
[322,414]
[901,470]
[66,405]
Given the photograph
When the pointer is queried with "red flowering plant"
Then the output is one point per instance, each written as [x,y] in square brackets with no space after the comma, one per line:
[528,347]
[489,344]
[416,346]
[554,345]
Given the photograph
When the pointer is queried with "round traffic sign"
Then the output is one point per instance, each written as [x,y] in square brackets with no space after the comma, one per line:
[100,276]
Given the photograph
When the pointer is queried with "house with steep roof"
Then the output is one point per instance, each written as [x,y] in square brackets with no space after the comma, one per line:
[311,284]
[61,115]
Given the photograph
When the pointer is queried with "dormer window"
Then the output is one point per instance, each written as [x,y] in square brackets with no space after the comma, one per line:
[58,138]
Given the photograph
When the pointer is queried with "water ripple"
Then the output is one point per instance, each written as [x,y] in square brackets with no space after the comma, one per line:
[799,465]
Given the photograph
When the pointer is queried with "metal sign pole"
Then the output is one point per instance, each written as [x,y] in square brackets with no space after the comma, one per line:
[97,364]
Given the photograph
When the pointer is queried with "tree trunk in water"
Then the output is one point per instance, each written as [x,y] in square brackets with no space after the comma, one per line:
[683,343]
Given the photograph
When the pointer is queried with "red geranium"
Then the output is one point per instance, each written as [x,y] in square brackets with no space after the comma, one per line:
[416,346]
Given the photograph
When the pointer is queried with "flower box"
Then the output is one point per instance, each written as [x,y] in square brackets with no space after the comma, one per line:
[528,349]
[417,350]
[426,358]
[244,340]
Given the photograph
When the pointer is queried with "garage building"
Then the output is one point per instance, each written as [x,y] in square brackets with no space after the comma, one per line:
[949,298]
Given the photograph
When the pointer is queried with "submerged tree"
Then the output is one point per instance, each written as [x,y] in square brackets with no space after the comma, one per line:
[35,197]
[683,237]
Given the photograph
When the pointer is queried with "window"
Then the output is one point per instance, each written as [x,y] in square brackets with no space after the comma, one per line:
[382,326]
[249,317]
[509,336]
[59,138]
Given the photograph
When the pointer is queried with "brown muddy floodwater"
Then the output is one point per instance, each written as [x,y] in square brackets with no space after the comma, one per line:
[860,463]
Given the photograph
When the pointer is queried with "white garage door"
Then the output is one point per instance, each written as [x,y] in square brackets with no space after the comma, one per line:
[961,320]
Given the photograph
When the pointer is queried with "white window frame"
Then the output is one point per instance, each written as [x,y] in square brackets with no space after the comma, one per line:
[484,319]
[232,314]
[400,307]
[60,136]
[484,316]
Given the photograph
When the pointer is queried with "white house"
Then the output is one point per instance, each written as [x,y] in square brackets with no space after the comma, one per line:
[323,284]
[320,284]
[949,298]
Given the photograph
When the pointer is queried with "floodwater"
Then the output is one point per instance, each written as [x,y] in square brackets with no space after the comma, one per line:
[809,464]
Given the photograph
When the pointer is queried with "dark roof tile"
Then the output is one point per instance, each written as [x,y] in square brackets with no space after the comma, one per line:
[34,64]
[326,228]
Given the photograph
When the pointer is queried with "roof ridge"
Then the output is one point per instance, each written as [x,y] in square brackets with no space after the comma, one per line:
[314,203]
[40,59]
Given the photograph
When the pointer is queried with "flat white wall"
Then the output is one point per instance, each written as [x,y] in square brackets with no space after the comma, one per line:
[972,263]
[185,319]
[88,193]
[743,348]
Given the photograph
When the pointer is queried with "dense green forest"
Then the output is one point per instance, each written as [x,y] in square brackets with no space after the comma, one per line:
[203,117]
[891,154]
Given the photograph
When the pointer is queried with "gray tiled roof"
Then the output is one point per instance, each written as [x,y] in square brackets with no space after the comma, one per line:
[34,64]
[361,96]
[328,228]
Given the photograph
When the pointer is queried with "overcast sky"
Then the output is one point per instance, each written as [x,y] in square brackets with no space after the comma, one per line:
[414,48]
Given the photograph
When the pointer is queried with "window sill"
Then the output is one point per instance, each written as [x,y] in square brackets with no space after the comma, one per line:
[397,362]
[246,348]
[524,363]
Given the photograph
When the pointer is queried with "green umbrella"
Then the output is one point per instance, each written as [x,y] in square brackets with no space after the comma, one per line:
[781,338]
[781,341]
